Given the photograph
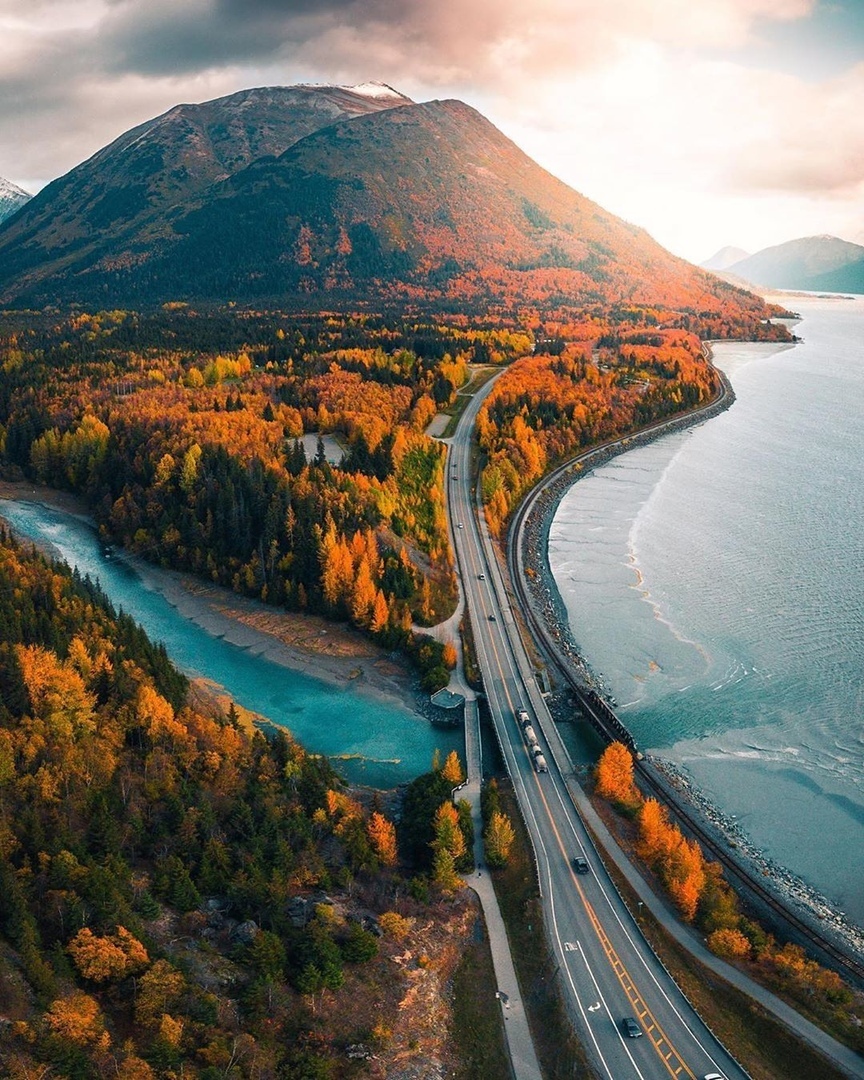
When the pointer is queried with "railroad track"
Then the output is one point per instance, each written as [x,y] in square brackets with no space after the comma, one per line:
[604,720]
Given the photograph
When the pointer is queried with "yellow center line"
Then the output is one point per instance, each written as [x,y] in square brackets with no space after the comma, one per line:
[655,1032]
[673,1061]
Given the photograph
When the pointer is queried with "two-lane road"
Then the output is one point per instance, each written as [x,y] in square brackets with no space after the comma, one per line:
[607,970]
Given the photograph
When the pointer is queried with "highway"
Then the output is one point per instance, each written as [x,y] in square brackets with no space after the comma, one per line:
[606,968]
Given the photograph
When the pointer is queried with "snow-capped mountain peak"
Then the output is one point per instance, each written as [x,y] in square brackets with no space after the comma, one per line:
[11,197]
[375,90]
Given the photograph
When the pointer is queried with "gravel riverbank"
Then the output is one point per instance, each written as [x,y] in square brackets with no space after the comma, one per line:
[328,651]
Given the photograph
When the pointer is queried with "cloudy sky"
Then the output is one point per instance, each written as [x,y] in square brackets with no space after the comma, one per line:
[709,122]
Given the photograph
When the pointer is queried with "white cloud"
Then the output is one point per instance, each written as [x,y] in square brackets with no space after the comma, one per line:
[618,97]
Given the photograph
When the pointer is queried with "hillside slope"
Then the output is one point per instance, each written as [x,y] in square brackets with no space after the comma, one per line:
[88,217]
[812,262]
[423,203]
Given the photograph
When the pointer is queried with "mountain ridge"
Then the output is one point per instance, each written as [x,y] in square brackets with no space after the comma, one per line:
[12,198]
[724,258]
[312,194]
[134,180]
[812,263]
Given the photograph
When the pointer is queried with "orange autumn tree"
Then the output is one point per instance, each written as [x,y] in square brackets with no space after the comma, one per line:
[678,861]
[382,837]
[614,776]
[103,959]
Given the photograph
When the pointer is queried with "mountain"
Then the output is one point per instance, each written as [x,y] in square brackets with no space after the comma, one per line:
[724,258]
[88,216]
[816,263]
[12,198]
[307,194]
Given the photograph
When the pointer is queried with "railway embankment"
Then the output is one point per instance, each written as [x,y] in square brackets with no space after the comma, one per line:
[783,902]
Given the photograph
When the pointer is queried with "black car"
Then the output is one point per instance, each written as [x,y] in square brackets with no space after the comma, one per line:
[631,1028]
[492,618]
[580,865]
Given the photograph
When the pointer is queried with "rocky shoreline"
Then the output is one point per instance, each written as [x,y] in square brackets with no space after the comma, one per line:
[545,597]
[806,902]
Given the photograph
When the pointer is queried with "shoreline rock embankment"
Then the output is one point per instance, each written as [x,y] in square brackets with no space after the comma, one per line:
[545,597]
[806,903]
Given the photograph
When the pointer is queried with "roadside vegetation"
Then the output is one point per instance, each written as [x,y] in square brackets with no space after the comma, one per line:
[768,1050]
[561,1055]
[704,899]
[180,895]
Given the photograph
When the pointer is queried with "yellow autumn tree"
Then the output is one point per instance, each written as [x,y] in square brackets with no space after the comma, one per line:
[614,776]
[498,839]
[729,943]
[382,837]
[452,771]
[448,835]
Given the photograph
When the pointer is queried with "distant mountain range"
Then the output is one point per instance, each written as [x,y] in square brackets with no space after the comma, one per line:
[308,194]
[813,263]
[724,258]
[11,198]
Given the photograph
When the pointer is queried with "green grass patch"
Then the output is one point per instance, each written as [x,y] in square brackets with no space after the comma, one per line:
[469,653]
[479,378]
[478,1030]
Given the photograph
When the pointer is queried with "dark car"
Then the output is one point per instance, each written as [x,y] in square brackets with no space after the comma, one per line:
[631,1028]
[492,618]
[580,865]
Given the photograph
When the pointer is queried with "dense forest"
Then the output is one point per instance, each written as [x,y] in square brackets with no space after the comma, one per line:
[180,896]
[593,380]
[184,433]
[184,430]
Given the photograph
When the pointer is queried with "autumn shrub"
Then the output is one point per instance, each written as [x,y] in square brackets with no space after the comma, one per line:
[729,944]
[395,925]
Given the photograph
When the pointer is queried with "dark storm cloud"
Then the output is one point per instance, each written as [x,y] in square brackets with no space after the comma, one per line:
[433,41]
[166,38]
[172,40]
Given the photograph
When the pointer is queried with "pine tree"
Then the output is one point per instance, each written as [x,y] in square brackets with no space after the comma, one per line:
[452,771]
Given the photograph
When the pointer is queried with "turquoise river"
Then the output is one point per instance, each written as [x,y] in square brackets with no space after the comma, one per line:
[371,740]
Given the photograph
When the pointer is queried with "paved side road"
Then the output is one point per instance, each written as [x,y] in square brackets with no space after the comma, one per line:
[520,1045]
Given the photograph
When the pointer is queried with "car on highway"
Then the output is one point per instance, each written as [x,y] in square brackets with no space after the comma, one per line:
[461,526]
[481,577]
[630,1027]
[580,865]
[713,1076]
[492,618]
